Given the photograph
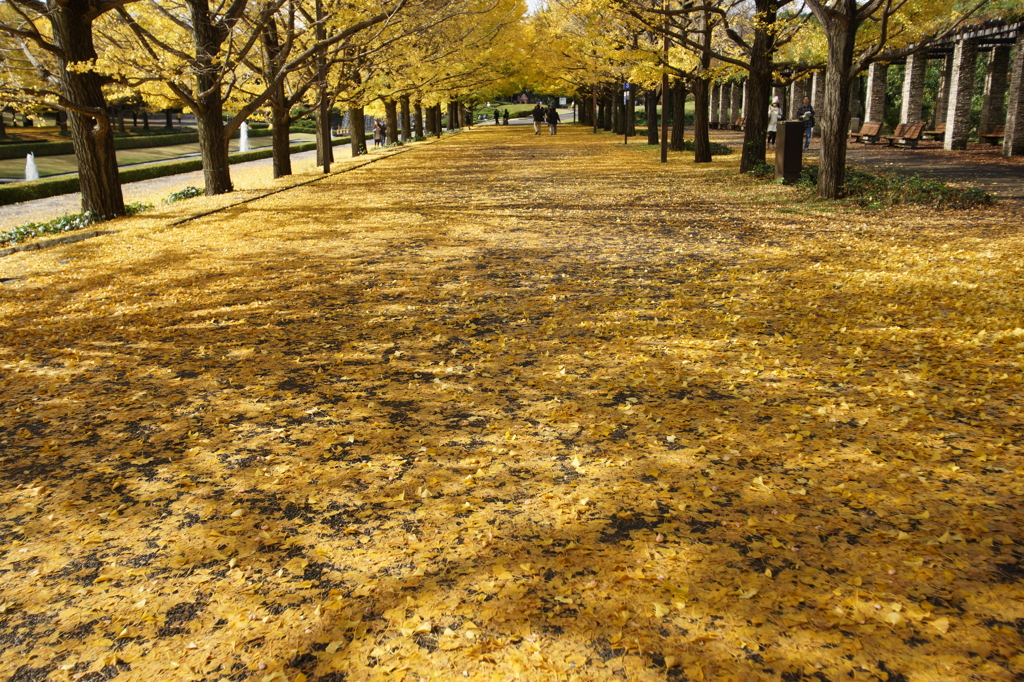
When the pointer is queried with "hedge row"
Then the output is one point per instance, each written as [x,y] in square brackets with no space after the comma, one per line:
[20,150]
[17,192]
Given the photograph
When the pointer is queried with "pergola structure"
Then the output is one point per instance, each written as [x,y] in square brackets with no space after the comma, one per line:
[996,41]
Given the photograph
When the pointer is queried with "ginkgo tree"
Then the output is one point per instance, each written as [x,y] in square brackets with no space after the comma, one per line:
[57,40]
[198,53]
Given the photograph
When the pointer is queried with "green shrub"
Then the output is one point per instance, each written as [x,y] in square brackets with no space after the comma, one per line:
[65,223]
[762,170]
[891,189]
[189,192]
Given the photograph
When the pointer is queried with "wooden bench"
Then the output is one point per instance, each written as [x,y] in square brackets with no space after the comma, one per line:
[938,134]
[738,125]
[868,134]
[906,135]
[995,137]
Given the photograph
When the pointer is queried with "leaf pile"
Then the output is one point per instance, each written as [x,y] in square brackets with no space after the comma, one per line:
[514,407]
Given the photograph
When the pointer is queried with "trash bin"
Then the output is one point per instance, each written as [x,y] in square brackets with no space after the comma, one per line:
[789,149]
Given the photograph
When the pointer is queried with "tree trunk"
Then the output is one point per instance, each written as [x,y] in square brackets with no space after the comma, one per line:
[608,105]
[168,122]
[617,116]
[417,119]
[357,130]
[92,136]
[835,114]
[280,120]
[391,116]
[406,121]
[120,121]
[3,126]
[759,87]
[145,120]
[430,120]
[651,107]
[701,136]
[209,105]
[453,115]
[320,146]
[678,114]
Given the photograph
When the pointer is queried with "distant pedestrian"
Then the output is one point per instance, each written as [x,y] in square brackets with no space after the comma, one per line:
[774,116]
[538,117]
[497,118]
[806,114]
[377,133]
[553,120]
[505,117]
[384,131]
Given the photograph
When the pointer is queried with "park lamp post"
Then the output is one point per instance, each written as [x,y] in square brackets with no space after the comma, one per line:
[626,87]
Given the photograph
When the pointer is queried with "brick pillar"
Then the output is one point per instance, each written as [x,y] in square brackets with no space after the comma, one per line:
[818,98]
[942,98]
[913,87]
[874,107]
[796,100]
[716,104]
[993,110]
[961,88]
[1013,143]
[737,102]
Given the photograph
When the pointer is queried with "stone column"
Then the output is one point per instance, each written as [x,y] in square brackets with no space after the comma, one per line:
[913,87]
[796,98]
[1013,142]
[780,92]
[961,88]
[737,102]
[942,98]
[716,105]
[725,102]
[874,107]
[993,111]
[818,99]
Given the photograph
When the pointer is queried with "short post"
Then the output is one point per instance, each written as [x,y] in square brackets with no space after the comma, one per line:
[625,110]
[789,151]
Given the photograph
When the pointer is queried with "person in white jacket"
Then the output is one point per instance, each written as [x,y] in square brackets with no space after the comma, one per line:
[774,115]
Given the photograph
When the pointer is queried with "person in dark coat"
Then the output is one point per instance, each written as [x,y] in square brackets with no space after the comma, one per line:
[806,114]
[497,118]
[553,120]
[505,117]
[538,117]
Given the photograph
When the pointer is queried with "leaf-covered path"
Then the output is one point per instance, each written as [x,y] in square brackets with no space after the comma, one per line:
[540,409]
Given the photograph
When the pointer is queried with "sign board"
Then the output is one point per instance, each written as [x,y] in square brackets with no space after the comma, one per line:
[561,101]
[627,86]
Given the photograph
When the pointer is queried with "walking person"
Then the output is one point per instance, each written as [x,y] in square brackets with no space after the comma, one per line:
[806,114]
[384,131]
[497,118]
[774,115]
[376,133]
[553,120]
[538,118]
[505,117]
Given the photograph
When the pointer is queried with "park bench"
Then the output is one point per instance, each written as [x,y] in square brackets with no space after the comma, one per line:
[995,137]
[906,135]
[868,134]
[738,125]
[938,134]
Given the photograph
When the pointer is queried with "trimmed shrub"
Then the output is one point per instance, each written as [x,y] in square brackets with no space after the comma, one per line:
[189,192]
[17,192]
